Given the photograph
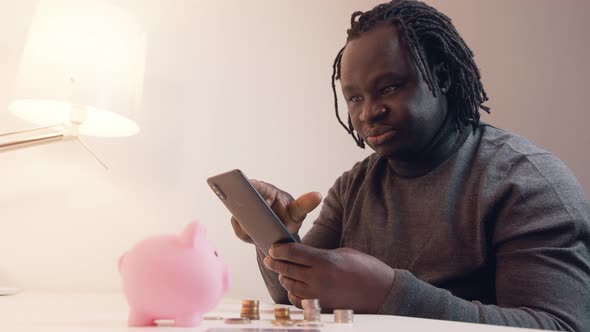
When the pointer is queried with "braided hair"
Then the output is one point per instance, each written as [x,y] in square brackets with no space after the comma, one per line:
[430,37]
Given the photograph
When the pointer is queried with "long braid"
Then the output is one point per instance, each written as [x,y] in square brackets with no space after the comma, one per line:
[430,35]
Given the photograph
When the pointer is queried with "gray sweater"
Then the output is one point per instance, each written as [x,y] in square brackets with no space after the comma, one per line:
[496,231]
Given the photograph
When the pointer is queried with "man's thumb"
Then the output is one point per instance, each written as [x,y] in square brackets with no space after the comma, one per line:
[303,205]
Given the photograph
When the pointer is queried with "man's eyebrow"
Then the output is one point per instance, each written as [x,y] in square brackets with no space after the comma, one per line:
[389,75]
[348,89]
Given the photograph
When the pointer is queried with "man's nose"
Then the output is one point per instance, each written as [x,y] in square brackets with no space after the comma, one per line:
[372,111]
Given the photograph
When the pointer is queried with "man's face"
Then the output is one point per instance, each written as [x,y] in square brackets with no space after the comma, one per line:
[389,103]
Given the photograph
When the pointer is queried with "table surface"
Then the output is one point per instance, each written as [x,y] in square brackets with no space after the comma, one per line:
[98,312]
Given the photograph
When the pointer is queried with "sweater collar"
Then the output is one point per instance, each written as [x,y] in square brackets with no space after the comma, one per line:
[445,143]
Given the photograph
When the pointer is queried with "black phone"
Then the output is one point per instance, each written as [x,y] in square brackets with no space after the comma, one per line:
[240,197]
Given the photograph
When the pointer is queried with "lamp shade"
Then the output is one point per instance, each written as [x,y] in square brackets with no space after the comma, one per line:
[83,62]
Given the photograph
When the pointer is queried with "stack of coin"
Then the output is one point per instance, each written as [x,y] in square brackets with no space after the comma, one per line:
[343,316]
[282,313]
[250,309]
[311,310]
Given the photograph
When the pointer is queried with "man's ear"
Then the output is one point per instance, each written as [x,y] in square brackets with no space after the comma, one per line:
[443,77]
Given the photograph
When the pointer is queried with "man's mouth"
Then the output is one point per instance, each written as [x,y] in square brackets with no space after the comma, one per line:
[377,137]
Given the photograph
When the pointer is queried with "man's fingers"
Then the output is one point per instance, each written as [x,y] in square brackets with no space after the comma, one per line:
[295,300]
[296,209]
[267,191]
[296,253]
[288,269]
[295,287]
[239,231]
[303,205]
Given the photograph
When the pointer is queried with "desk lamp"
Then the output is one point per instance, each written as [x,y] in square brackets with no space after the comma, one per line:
[81,74]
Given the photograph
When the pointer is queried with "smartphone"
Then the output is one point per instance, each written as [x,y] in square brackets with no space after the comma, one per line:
[240,197]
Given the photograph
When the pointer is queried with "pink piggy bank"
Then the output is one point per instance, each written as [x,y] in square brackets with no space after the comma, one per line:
[177,277]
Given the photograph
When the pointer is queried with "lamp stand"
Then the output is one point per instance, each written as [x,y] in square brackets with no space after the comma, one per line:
[7,291]
[21,143]
[32,141]
[69,132]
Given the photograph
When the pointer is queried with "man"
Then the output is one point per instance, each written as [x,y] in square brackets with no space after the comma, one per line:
[450,218]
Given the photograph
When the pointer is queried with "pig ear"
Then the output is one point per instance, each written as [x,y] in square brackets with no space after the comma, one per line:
[192,233]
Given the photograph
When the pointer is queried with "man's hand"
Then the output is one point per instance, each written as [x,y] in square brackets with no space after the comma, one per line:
[291,211]
[340,278]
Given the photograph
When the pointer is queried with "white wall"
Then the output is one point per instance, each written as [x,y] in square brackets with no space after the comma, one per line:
[245,84]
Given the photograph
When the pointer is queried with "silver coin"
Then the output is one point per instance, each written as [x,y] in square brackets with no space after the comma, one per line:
[343,316]
[310,303]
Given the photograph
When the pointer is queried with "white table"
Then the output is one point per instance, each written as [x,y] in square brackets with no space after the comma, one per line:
[101,312]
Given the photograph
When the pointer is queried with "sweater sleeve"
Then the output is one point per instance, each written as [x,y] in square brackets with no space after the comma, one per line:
[271,280]
[541,251]
[325,234]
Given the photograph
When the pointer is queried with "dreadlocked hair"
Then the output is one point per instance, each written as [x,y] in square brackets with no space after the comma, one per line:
[431,38]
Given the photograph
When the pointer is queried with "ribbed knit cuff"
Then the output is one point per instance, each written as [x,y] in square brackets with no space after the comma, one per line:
[397,293]
[410,296]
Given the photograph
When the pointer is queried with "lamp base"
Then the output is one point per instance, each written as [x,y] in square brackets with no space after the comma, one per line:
[8,291]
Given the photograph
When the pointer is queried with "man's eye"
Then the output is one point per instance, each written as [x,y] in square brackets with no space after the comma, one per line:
[354,99]
[389,89]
